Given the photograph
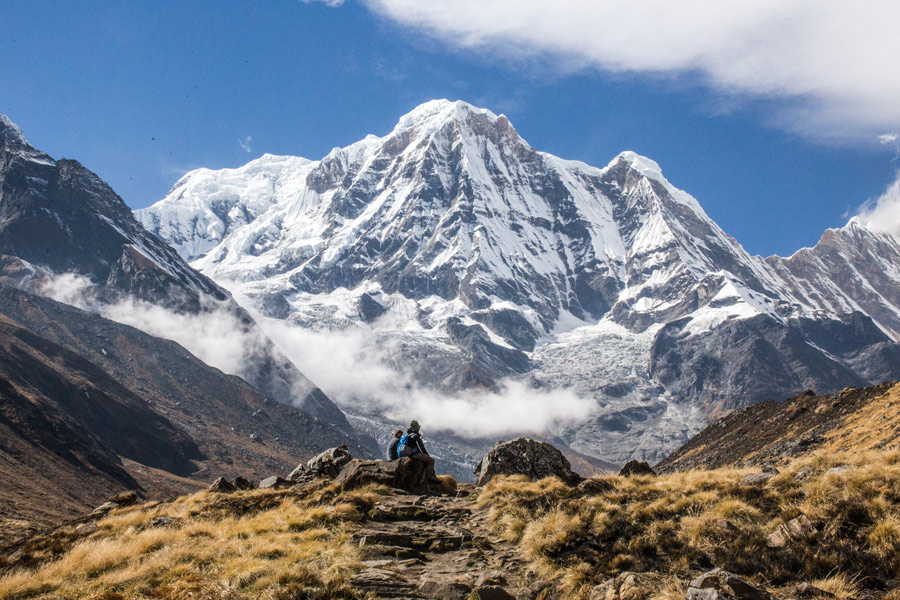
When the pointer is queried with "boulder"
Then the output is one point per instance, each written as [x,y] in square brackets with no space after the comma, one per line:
[634,467]
[626,586]
[405,474]
[449,589]
[161,521]
[762,476]
[493,592]
[326,464]
[840,469]
[799,528]
[240,483]
[274,482]
[525,456]
[719,584]
[221,485]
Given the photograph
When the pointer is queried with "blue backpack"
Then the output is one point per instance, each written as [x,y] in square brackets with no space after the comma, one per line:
[406,446]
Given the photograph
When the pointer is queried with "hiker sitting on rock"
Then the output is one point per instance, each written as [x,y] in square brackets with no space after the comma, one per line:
[392,447]
[413,446]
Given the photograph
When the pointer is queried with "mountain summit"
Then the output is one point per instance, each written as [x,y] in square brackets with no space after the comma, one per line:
[472,257]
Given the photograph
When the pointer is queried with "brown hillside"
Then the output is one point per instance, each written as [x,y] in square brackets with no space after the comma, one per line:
[772,432]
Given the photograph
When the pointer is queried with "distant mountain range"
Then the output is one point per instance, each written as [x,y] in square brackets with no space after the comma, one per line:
[468,259]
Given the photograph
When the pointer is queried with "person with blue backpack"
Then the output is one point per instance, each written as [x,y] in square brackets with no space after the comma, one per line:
[413,445]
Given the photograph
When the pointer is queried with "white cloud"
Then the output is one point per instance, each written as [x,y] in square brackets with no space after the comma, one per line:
[245,144]
[887,138]
[883,213]
[215,335]
[834,60]
[352,367]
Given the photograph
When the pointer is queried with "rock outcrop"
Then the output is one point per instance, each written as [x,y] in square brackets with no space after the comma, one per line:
[405,474]
[525,456]
[327,464]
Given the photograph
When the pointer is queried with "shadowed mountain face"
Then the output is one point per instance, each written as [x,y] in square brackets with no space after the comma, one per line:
[81,394]
[469,257]
[59,216]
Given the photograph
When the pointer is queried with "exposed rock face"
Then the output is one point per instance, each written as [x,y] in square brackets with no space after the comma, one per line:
[634,467]
[405,474]
[525,456]
[327,464]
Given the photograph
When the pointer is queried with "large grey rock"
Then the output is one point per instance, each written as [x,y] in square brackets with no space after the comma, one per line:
[719,584]
[274,482]
[405,474]
[221,485]
[525,456]
[762,476]
[326,464]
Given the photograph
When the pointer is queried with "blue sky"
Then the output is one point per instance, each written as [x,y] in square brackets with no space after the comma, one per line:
[142,92]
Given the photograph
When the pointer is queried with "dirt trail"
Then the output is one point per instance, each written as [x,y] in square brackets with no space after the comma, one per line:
[436,547]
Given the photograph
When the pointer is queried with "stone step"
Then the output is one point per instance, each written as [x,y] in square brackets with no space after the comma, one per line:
[380,551]
[383,584]
[425,542]
[387,513]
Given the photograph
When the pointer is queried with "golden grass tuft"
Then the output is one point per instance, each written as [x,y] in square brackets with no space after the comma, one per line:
[259,544]
[684,523]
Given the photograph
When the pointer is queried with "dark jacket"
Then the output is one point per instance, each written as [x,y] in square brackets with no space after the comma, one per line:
[415,443]
[392,449]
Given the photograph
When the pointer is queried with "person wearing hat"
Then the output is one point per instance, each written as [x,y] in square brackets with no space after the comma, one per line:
[415,449]
[392,447]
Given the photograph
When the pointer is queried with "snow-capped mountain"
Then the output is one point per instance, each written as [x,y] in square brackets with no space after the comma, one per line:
[470,257]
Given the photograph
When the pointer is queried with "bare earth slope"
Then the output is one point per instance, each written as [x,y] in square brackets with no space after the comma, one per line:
[773,432]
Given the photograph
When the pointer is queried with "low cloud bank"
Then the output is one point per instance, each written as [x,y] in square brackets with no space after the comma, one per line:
[353,369]
[215,336]
[351,366]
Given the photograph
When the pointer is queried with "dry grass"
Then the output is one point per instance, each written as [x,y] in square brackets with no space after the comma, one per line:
[686,523]
[258,544]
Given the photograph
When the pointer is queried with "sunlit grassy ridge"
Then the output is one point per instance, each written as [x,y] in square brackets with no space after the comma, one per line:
[257,544]
[682,524]
[295,544]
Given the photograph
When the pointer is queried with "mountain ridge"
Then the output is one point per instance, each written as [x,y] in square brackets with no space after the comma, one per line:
[470,255]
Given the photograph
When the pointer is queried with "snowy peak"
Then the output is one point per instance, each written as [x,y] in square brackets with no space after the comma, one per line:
[10,134]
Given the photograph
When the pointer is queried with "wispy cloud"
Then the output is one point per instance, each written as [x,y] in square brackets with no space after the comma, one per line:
[887,138]
[882,213]
[832,60]
[245,143]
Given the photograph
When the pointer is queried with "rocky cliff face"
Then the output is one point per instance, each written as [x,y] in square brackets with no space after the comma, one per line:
[471,257]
